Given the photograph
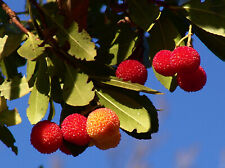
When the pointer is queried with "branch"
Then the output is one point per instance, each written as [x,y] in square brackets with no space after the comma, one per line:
[12,16]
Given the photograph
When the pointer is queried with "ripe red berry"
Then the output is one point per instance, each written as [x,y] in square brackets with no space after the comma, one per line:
[161,63]
[46,136]
[64,149]
[185,59]
[193,81]
[74,129]
[132,70]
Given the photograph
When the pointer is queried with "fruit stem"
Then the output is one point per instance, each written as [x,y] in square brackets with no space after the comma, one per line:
[181,40]
[189,36]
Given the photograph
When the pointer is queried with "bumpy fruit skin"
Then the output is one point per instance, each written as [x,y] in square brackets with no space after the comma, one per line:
[185,59]
[109,142]
[101,123]
[74,129]
[46,136]
[192,82]
[161,63]
[132,70]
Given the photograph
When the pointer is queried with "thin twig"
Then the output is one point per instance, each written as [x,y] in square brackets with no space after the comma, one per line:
[12,16]
[189,36]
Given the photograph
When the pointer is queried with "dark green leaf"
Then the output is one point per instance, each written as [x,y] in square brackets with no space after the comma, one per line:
[143,13]
[7,138]
[209,15]
[123,44]
[56,90]
[164,35]
[3,16]
[51,110]
[132,115]
[214,42]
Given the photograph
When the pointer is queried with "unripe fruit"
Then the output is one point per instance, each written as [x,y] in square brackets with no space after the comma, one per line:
[46,136]
[102,123]
[193,81]
[108,142]
[74,129]
[132,70]
[161,63]
[185,59]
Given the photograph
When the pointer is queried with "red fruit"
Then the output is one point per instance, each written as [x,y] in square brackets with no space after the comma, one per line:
[74,129]
[64,149]
[46,136]
[161,63]
[193,81]
[102,123]
[185,59]
[132,70]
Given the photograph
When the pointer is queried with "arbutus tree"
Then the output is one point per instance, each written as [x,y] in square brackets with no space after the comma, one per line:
[71,50]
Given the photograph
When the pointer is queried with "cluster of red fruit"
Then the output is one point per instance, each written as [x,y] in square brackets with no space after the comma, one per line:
[100,128]
[183,61]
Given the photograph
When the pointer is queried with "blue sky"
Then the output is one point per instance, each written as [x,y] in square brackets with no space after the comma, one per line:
[192,129]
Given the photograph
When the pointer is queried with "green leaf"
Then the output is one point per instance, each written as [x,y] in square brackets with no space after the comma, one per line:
[7,138]
[164,35]
[2,44]
[123,44]
[30,69]
[81,46]
[214,42]
[145,102]
[114,81]
[143,13]
[14,88]
[39,97]
[3,104]
[10,43]
[77,91]
[169,82]
[31,49]
[3,16]
[209,15]
[10,117]
[10,64]
[132,115]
